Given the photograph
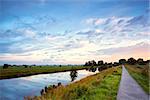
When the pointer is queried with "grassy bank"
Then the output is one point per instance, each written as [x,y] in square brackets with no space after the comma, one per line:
[20,71]
[141,74]
[101,86]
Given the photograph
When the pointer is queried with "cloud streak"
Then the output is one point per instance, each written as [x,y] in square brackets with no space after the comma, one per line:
[42,37]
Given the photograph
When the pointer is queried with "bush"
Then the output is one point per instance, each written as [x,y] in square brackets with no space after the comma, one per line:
[25,66]
[5,66]
[140,61]
[100,62]
[122,61]
[116,64]
[131,61]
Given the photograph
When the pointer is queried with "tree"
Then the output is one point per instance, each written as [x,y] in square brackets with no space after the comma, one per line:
[25,66]
[105,64]
[147,61]
[93,63]
[109,64]
[5,66]
[86,64]
[140,61]
[59,84]
[122,61]
[131,61]
[100,62]
[13,65]
[90,63]
[116,64]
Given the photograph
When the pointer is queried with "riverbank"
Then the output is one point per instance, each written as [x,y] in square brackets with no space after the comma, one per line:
[101,86]
[20,71]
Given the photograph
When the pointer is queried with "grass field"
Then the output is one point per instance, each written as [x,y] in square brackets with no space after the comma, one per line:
[101,86]
[13,72]
[141,74]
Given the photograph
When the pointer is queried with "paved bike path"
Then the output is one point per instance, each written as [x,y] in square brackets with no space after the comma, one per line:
[129,89]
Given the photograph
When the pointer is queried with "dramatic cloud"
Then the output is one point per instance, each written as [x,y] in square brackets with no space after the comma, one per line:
[47,33]
[144,47]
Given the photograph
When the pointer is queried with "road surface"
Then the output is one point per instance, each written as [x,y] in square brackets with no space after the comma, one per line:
[129,89]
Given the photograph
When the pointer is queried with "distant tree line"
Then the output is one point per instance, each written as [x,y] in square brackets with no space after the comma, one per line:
[101,65]
[130,61]
[133,61]
[5,66]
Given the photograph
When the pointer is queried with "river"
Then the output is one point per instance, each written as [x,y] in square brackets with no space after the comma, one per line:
[17,88]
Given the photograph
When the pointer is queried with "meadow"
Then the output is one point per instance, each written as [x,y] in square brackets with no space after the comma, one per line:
[20,71]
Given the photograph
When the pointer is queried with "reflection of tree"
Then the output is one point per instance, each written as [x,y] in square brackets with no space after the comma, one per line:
[73,75]
[92,69]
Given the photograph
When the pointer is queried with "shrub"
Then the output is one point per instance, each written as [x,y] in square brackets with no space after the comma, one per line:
[5,66]
[140,61]
[100,62]
[122,61]
[25,66]
[131,61]
[116,64]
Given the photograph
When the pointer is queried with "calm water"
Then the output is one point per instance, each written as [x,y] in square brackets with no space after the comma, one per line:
[17,88]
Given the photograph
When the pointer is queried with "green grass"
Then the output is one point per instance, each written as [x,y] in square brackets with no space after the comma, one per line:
[107,89]
[13,72]
[101,86]
[141,75]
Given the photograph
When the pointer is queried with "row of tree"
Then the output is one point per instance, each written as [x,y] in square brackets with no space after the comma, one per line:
[131,61]
[5,66]
[100,65]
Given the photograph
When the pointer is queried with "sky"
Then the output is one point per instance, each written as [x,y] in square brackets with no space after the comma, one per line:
[73,31]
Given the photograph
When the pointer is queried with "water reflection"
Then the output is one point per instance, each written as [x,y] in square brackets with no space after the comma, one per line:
[17,88]
[92,69]
[73,75]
